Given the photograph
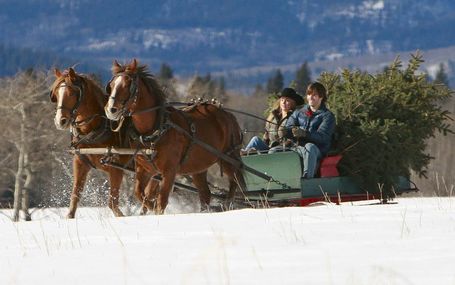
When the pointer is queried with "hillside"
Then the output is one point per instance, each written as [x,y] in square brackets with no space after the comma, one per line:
[206,36]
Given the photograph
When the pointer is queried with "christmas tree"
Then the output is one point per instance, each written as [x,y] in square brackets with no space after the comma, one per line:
[384,122]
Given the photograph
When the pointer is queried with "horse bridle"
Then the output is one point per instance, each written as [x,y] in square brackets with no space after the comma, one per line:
[79,95]
[133,92]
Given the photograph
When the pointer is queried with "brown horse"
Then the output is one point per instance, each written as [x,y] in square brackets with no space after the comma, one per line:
[173,134]
[80,105]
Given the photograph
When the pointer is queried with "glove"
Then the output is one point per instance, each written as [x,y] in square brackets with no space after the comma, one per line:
[281,133]
[288,143]
[298,132]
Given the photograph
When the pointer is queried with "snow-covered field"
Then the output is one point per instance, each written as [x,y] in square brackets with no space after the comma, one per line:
[410,242]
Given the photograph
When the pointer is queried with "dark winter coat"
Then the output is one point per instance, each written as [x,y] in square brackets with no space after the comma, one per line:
[319,125]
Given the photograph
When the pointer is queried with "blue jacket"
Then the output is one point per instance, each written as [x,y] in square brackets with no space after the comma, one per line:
[320,127]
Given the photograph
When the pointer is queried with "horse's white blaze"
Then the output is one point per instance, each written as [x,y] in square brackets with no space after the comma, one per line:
[60,95]
[111,101]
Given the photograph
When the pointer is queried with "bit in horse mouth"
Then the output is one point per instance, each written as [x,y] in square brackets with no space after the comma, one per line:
[112,116]
[61,124]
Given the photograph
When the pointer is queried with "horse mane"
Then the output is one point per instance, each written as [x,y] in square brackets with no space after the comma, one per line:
[90,81]
[142,72]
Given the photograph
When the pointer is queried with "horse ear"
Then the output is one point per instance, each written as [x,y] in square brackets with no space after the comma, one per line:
[115,63]
[133,64]
[72,73]
[57,72]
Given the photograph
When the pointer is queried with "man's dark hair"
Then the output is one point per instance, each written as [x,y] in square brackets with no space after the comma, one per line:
[319,88]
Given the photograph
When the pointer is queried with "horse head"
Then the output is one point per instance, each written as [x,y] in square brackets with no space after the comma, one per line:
[122,89]
[67,92]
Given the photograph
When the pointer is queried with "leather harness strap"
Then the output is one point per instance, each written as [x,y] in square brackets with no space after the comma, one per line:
[86,160]
[99,135]
[192,127]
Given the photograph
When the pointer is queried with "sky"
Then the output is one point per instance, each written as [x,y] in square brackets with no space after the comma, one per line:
[410,241]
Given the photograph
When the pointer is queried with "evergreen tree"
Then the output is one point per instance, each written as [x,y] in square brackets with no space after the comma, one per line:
[441,76]
[259,90]
[275,83]
[201,88]
[222,86]
[221,94]
[167,81]
[384,122]
[302,78]
[166,72]
[209,87]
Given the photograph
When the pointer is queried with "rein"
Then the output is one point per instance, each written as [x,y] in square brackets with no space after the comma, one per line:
[97,135]
[183,104]
[86,121]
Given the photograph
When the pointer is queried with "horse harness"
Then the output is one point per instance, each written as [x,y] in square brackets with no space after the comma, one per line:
[98,135]
[163,124]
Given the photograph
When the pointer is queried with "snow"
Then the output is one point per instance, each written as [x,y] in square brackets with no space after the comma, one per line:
[411,241]
[101,45]
[433,69]
[374,5]
[365,10]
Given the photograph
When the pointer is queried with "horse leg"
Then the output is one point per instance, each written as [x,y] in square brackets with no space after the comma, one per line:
[80,171]
[150,195]
[115,179]
[200,181]
[142,177]
[165,189]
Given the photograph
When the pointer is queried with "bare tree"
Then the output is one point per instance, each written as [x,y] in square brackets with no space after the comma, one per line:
[26,117]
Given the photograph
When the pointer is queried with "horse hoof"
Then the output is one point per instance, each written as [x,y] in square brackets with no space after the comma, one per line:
[159,212]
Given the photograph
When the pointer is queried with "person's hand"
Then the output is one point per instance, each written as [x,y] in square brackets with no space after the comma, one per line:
[298,132]
[288,143]
[266,135]
[281,133]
